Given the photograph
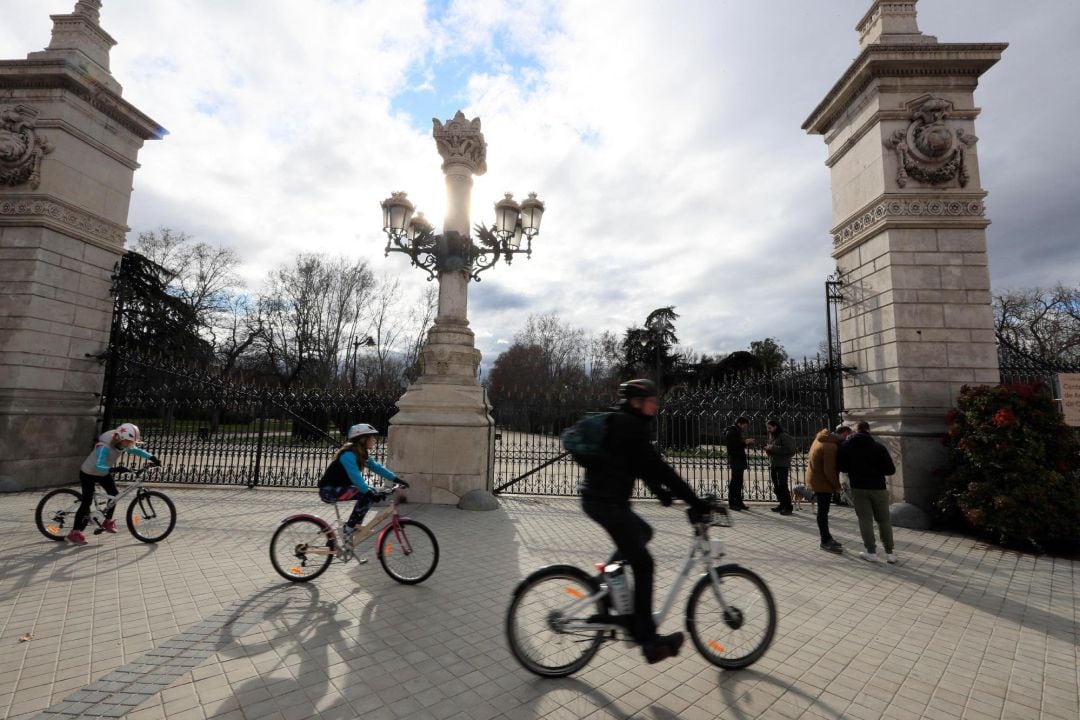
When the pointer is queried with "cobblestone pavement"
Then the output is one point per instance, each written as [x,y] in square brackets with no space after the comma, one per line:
[200,626]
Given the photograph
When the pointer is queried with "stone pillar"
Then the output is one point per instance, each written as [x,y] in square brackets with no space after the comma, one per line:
[440,440]
[68,148]
[909,235]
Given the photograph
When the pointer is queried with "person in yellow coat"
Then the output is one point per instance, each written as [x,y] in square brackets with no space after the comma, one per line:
[823,478]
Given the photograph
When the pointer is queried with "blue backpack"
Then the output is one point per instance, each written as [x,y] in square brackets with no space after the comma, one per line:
[584,440]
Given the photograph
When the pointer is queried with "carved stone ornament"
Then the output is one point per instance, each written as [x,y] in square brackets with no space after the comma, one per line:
[930,150]
[21,148]
[910,208]
[460,141]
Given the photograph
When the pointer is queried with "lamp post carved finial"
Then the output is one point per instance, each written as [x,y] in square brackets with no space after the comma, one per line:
[460,141]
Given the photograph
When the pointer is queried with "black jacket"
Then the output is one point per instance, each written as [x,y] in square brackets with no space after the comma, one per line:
[735,444]
[866,461]
[630,455]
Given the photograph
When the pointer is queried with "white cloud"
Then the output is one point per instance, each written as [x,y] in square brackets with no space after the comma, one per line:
[664,138]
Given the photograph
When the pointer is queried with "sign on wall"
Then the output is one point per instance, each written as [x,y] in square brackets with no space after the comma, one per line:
[1070,397]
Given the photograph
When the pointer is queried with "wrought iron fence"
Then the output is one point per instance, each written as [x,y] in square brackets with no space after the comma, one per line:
[211,429]
[529,458]
[1022,366]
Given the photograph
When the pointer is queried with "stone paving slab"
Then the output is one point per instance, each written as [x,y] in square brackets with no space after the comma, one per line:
[200,626]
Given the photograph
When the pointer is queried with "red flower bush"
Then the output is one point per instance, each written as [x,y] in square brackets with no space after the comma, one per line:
[1014,467]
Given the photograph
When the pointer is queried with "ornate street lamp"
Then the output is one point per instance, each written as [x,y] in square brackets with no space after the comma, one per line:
[441,437]
[451,251]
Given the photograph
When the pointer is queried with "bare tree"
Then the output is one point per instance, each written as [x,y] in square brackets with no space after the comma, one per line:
[309,310]
[421,318]
[1045,322]
[204,276]
[562,347]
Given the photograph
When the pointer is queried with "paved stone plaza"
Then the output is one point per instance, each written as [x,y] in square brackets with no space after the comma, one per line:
[200,626]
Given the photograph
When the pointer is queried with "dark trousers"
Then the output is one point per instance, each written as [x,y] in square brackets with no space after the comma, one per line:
[734,488]
[82,515]
[779,476]
[823,500]
[630,534]
[351,492]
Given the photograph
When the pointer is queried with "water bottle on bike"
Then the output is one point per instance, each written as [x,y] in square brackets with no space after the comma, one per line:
[621,597]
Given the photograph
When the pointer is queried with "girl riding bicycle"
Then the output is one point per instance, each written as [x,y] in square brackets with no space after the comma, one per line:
[99,467]
[343,479]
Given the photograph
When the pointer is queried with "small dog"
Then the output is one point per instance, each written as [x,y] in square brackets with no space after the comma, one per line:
[801,493]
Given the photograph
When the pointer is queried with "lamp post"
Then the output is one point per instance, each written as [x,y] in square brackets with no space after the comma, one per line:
[440,439]
[356,344]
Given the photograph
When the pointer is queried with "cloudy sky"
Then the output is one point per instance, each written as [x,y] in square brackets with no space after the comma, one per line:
[664,137]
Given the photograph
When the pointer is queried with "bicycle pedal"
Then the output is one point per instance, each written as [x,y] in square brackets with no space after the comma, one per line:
[98,531]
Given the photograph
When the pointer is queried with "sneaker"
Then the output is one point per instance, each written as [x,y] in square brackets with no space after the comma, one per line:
[775,509]
[662,648]
[109,526]
[832,546]
[786,511]
[890,558]
[869,556]
[75,537]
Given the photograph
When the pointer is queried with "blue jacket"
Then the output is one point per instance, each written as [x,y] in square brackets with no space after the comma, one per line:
[345,471]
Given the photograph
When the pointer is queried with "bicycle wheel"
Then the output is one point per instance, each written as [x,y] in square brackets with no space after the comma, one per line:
[534,622]
[732,625]
[289,549]
[408,553]
[55,514]
[151,516]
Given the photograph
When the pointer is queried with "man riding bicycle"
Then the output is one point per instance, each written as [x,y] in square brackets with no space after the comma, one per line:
[605,498]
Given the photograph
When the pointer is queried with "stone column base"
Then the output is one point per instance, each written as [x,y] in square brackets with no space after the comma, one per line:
[440,442]
[43,438]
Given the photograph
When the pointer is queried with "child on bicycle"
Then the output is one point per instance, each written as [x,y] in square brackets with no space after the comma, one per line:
[343,479]
[100,467]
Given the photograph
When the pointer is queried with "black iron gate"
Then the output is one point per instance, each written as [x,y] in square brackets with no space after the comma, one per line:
[529,458]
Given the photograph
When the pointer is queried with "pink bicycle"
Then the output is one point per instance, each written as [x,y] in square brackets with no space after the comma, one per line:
[304,545]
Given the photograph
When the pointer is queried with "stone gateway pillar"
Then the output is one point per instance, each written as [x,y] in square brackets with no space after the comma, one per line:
[909,237]
[441,438]
[68,148]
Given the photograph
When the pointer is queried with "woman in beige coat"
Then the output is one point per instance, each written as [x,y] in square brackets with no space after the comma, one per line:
[823,478]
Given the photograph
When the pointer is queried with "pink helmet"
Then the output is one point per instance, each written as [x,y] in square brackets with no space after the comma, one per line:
[128,431]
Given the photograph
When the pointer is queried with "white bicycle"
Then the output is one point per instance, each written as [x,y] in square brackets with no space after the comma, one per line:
[560,615]
[151,516]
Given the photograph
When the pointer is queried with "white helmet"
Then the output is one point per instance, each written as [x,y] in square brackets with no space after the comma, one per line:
[361,429]
[128,431]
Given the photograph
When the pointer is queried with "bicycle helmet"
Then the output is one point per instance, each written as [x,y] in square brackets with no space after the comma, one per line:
[639,388]
[128,431]
[359,430]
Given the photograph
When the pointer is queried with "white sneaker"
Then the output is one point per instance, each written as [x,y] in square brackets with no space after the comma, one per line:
[890,558]
[869,556]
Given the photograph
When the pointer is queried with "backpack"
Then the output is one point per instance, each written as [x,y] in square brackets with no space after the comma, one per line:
[584,440]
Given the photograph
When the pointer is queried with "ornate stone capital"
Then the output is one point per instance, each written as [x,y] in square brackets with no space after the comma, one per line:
[21,147]
[909,210]
[460,142]
[930,150]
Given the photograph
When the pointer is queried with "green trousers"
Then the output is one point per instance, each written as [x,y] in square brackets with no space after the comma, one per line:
[871,505]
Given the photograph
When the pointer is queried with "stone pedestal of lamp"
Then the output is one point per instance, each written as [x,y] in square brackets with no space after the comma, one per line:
[909,238]
[441,439]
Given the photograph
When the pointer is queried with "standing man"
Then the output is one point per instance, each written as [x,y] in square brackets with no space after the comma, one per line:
[867,462]
[823,478]
[605,498]
[736,442]
[780,448]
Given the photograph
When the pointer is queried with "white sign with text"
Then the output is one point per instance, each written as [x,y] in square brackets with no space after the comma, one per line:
[1070,397]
